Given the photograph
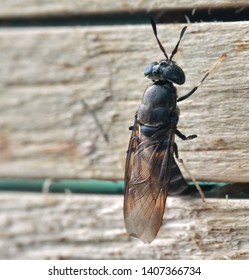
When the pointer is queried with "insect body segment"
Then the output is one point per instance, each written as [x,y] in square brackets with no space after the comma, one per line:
[165,70]
[151,171]
[158,106]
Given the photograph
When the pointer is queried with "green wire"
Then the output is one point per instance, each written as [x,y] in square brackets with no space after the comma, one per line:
[210,189]
[77,186]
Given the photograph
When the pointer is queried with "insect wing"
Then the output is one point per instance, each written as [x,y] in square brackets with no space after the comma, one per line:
[148,167]
[134,142]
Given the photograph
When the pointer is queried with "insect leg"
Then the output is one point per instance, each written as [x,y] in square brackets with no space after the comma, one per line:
[193,89]
[220,59]
[184,137]
[132,127]
[188,172]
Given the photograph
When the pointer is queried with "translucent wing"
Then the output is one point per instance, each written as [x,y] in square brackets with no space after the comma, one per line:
[147,177]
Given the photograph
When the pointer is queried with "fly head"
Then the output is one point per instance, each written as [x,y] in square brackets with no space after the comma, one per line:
[166,69]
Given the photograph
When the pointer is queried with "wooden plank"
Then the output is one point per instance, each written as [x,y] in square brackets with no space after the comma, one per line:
[46,130]
[26,8]
[91,227]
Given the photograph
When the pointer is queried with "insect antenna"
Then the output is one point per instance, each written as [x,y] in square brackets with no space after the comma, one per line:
[153,24]
[176,47]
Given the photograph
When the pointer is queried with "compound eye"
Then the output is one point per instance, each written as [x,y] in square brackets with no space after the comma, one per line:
[149,70]
[174,74]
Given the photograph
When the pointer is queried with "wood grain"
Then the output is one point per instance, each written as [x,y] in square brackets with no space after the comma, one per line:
[91,227]
[26,8]
[46,130]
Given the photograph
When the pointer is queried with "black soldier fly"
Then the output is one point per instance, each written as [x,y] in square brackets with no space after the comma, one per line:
[151,171]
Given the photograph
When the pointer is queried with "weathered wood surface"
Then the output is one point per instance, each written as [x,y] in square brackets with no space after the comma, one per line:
[91,227]
[46,130]
[12,8]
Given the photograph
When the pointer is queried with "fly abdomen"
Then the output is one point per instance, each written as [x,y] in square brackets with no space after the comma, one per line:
[177,182]
[148,131]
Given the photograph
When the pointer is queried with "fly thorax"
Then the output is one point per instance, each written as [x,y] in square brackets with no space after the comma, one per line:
[158,104]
